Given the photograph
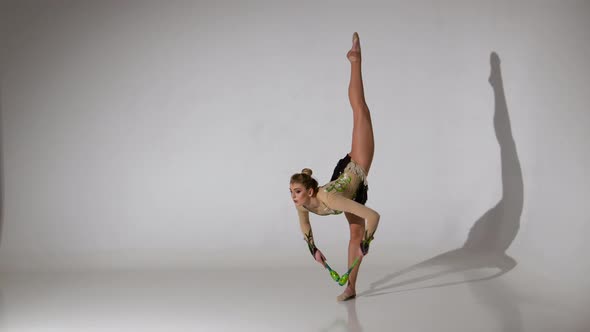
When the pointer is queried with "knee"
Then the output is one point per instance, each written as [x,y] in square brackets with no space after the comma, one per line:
[360,106]
[361,114]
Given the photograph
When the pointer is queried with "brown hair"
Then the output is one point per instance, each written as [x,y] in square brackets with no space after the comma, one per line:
[305,179]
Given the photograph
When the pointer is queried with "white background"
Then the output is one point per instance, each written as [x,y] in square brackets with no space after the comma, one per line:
[156,135]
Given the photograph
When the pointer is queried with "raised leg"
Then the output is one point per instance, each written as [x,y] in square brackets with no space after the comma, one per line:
[363,145]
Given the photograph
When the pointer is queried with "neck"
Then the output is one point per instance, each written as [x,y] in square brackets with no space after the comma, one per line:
[313,202]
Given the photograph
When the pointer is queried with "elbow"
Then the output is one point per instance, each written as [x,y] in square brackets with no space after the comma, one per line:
[376,216]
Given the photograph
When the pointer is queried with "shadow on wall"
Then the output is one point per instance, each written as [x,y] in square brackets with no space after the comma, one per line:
[2,315]
[2,318]
[1,199]
[493,233]
[1,171]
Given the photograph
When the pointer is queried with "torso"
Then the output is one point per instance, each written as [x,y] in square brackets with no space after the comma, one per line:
[345,185]
[322,209]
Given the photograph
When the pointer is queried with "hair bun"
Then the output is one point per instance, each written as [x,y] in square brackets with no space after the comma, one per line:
[307,171]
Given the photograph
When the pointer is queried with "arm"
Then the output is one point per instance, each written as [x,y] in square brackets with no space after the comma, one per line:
[308,233]
[371,216]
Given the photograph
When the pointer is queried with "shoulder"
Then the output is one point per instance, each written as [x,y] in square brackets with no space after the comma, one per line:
[324,195]
[332,198]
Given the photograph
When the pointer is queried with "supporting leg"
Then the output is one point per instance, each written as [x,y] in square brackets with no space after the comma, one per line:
[357,230]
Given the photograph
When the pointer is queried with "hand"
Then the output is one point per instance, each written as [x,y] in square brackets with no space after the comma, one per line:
[364,248]
[359,252]
[365,242]
[319,257]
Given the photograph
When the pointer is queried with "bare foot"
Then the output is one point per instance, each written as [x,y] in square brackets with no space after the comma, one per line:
[354,55]
[348,294]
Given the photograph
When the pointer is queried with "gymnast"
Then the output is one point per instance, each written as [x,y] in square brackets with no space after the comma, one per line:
[347,190]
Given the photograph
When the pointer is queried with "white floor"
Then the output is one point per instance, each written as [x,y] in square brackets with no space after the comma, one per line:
[287,300]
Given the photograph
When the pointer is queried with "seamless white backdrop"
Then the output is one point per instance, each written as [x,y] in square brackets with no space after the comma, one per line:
[151,134]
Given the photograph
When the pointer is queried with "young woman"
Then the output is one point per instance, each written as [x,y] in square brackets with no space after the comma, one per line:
[347,190]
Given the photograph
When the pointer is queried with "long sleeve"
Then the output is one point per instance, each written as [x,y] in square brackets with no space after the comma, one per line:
[340,203]
[306,229]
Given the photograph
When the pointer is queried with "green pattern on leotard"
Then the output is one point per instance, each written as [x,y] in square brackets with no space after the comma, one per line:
[340,184]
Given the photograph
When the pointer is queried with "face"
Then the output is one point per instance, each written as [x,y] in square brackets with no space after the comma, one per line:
[299,194]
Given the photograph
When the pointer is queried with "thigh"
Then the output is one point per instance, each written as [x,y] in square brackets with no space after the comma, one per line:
[363,143]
